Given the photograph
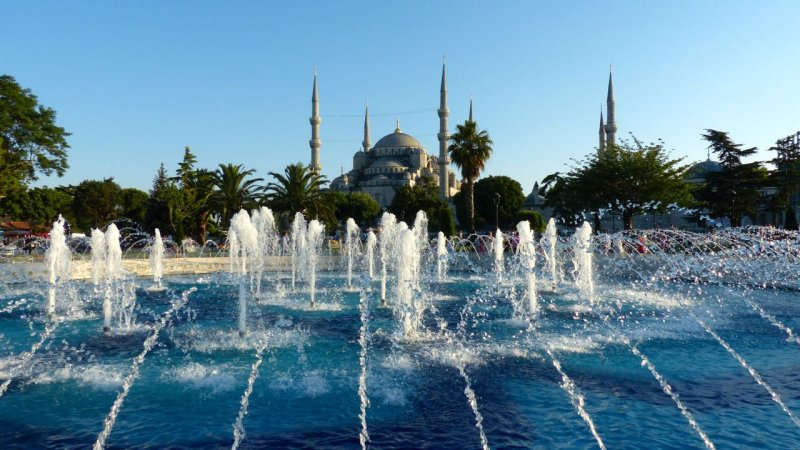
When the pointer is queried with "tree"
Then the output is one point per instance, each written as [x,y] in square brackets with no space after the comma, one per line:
[786,175]
[202,184]
[361,207]
[470,149]
[134,205]
[423,196]
[299,190]
[30,141]
[183,204]
[628,179]
[534,218]
[732,192]
[39,206]
[234,191]
[157,215]
[96,203]
[511,199]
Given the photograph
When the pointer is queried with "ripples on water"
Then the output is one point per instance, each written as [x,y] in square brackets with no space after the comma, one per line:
[306,394]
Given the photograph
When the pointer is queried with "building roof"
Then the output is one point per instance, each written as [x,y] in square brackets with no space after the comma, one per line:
[699,171]
[398,139]
[534,198]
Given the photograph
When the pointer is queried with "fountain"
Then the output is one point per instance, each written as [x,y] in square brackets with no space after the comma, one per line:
[98,244]
[247,238]
[58,260]
[582,261]
[526,250]
[119,299]
[157,261]
[351,247]
[441,256]
[372,240]
[652,339]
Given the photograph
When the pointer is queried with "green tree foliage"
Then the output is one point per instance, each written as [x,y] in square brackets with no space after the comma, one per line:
[628,179]
[96,203]
[461,202]
[534,218]
[511,200]
[134,205]
[337,201]
[30,141]
[299,189]
[39,206]
[202,186]
[786,175]
[361,207]
[157,215]
[423,197]
[469,150]
[235,190]
[733,192]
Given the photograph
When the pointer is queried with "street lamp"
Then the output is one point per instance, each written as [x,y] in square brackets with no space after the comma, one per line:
[497,210]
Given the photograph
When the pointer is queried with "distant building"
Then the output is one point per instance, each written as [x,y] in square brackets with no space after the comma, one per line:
[396,160]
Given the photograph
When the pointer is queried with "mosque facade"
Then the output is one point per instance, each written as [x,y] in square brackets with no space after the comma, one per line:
[396,160]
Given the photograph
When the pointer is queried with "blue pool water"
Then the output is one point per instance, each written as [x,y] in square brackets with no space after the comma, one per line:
[189,387]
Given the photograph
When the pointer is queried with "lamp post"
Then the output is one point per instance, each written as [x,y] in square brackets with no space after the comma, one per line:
[497,210]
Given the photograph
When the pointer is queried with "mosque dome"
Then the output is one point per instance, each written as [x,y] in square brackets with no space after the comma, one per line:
[389,162]
[699,172]
[398,139]
[534,199]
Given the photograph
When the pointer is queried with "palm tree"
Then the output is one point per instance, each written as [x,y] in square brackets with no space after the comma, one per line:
[234,191]
[469,150]
[298,189]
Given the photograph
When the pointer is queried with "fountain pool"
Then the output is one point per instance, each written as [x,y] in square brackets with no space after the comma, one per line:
[677,348]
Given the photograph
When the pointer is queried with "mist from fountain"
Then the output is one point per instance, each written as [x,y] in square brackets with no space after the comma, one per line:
[526,252]
[497,252]
[98,244]
[119,300]
[247,235]
[582,262]
[372,241]
[386,245]
[351,248]
[268,241]
[297,244]
[441,257]
[549,242]
[313,243]
[157,260]
[59,263]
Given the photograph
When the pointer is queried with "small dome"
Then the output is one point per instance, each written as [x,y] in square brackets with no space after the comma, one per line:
[699,171]
[398,139]
[387,162]
[534,198]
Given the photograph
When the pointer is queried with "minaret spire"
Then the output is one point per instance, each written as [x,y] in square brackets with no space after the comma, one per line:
[611,124]
[602,145]
[470,109]
[365,143]
[315,143]
[444,160]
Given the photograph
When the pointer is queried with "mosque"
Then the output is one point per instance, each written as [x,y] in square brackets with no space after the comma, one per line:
[396,160]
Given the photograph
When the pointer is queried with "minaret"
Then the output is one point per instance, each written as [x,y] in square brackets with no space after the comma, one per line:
[444,160]
[315,120]
[602,145]
[611,125]
[470,109]
[365,143]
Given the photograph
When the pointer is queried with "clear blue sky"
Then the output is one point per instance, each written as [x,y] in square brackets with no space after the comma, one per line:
[135,82]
